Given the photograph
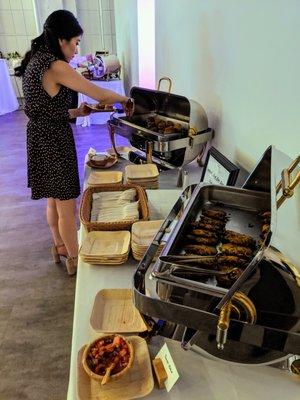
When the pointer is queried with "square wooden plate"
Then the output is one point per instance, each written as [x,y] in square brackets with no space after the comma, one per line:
[114,312]
[105,244]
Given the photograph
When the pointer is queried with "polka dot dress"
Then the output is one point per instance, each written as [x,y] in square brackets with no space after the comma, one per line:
[51,152]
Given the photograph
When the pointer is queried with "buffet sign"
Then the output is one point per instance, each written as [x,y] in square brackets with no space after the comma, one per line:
[218,170]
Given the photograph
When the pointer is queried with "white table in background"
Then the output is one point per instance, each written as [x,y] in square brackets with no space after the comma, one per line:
[200,378]
[8,98]
[99,118]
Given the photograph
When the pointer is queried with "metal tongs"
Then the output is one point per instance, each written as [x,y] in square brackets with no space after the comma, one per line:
[178,268]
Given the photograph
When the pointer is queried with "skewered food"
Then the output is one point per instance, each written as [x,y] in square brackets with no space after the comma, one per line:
[210,221]
[239,239]
[210,241]
[204,233]
[200,249]
[234,250]
[232,261]
[215,214]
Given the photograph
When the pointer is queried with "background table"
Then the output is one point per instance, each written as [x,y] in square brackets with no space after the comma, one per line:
[200,378]
[99,118]
[8,99]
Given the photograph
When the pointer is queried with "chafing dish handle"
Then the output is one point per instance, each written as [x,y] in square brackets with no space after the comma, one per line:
[287,184]
[165,78]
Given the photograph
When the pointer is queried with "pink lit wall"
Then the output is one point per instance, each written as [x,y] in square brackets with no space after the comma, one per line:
[146,43]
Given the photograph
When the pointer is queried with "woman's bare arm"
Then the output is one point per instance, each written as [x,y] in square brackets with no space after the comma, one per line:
[63,74]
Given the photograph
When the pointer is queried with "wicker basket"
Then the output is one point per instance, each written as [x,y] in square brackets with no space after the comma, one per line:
[86,207]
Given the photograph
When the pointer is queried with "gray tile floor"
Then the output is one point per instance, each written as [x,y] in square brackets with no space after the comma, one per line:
[36,296]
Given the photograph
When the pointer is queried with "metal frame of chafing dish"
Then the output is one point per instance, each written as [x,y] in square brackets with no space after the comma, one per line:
[195,318]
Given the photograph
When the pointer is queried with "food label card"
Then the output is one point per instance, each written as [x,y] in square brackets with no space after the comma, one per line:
[167,360]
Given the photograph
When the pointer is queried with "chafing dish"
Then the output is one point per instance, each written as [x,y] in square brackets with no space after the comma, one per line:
[256,320]
[168,149]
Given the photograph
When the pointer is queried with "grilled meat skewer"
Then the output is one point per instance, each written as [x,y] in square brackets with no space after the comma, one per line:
[210,241]
[234,250]
[204,233]
[239,238]
[215,214]
[200,249]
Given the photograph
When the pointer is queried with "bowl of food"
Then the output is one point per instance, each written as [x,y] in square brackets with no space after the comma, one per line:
[108,358]
[101,160]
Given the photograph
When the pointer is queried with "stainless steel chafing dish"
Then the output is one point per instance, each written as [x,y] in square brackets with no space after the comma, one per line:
[168,149]
[257,319]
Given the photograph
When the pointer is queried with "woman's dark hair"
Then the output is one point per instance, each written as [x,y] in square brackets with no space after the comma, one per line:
[61,24]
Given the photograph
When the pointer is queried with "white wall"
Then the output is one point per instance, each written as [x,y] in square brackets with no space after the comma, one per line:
[240,59]
[17,25]
[127,41]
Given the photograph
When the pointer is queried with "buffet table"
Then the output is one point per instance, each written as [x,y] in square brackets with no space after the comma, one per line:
[98,118]
[199,377]
[8,99]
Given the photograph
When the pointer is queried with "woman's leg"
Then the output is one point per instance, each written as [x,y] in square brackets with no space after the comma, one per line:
[66,210]
[52,219]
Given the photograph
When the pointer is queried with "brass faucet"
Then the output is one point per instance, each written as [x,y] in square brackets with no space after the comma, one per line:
[239,302]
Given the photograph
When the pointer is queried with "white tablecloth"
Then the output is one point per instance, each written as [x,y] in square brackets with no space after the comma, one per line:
[99,118]
[8,99]
[200,378]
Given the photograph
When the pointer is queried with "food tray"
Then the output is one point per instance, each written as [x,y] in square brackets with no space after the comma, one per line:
[86,206]
[98,178]
[138,382]
[114,312]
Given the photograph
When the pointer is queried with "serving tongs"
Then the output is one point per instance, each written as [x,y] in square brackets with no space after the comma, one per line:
[176,268]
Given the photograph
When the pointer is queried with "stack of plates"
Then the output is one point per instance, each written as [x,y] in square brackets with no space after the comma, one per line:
[105,247]
[145,175]
[142,235]
[99,178]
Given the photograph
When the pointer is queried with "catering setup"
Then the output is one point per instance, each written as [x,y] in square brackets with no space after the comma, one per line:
[212,269]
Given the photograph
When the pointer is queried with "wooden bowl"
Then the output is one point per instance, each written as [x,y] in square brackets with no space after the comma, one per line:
[113,377]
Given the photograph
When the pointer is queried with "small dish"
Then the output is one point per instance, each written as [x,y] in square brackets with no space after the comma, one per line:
[101,354]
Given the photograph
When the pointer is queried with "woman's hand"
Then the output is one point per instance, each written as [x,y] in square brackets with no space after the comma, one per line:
[128,106]
[83,110]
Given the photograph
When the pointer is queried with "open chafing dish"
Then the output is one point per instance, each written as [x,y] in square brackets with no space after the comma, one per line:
[157,112]
[256,319]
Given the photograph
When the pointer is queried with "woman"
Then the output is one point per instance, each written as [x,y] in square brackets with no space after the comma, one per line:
[52,160]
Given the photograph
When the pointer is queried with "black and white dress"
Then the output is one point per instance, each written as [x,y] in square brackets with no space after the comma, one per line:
[51,152]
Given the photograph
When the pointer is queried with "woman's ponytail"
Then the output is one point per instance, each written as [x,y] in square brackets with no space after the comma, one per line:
[35,46]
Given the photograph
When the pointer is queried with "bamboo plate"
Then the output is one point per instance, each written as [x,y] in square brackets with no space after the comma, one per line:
[142,171]
[97,178]
[114,312]
[105,244]
[142,231]
[138,382]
